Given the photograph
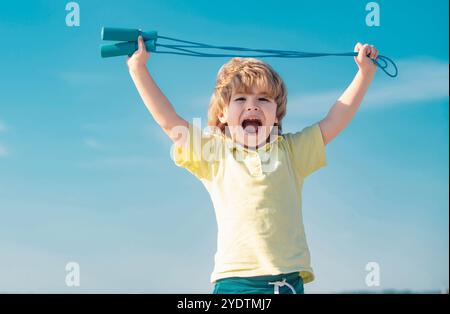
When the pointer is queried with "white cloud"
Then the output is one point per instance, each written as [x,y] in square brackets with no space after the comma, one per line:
[420,79]
[3,151]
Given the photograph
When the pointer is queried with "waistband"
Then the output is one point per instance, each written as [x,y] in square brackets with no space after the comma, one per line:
[263,279]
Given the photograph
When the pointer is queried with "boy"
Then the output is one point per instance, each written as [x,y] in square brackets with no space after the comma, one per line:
[253,174]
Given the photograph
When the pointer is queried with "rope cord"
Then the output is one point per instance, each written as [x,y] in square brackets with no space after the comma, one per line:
[185,49]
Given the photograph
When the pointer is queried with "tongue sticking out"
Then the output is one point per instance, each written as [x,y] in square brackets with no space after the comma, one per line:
[251,127]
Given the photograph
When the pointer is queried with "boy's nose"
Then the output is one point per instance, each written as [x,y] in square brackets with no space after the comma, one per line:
[252,107]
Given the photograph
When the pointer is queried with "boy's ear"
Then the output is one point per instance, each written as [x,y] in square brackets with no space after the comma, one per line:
[223,116]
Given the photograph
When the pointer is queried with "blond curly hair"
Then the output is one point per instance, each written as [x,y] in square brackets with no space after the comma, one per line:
[239,75]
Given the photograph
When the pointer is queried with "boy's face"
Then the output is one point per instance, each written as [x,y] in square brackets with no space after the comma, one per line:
[250,117]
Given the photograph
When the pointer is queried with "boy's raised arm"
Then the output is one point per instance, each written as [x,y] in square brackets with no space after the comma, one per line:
[346,106]
[155,101]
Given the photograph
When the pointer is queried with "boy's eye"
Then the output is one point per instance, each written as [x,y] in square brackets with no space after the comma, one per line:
[242,98]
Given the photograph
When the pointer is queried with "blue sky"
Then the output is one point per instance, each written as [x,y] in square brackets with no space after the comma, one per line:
[86,175]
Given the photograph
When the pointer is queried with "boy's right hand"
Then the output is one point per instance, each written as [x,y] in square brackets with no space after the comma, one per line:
[139,58]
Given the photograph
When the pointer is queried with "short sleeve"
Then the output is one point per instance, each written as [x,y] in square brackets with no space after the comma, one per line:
[307,150]
[198,154]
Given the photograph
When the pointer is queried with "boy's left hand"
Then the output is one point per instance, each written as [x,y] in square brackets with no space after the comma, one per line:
[366,52]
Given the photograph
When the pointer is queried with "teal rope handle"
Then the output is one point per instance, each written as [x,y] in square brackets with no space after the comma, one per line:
[185,49]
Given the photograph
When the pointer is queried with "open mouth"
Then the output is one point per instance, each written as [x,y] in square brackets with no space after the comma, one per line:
[250,125]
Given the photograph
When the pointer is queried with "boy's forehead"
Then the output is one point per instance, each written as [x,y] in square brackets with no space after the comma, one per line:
[253,91]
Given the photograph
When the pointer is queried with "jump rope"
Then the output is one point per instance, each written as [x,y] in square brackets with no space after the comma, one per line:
[128,45]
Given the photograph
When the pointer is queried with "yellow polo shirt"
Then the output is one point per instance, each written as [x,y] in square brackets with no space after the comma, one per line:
[257,199]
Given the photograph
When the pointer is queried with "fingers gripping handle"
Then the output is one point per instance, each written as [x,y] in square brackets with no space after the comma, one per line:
[384,63]
[124,48]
